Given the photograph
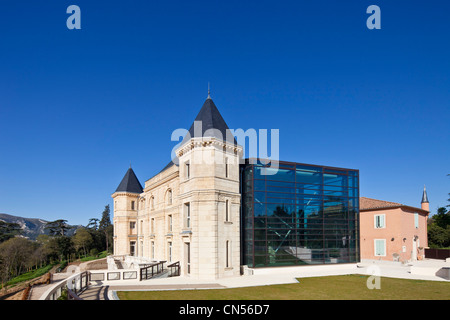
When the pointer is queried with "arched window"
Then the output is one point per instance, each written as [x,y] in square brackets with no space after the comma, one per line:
[169,197]
[152,202]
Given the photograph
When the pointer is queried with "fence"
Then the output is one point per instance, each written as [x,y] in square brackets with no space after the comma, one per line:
[109,275]
[149,271]
[73,285]
[437,253]
[77,283]
[174,269]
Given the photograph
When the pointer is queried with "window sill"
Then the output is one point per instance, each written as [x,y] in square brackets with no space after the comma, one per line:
[186,232]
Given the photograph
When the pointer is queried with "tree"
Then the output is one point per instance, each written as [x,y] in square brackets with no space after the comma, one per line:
[439,229]
[57,227]
[82,239]
[9,230]
[442,217]
[438,237]
[93,224]
[448,194]
[65,246]
[15,256]
[105,225]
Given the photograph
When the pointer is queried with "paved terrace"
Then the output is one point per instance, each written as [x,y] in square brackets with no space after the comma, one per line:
[420,270]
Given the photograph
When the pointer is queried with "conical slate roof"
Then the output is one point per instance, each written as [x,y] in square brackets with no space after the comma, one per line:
[424,196]
[130,183]
[210,123]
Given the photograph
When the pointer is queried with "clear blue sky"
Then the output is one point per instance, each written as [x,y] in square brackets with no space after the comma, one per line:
[76,106]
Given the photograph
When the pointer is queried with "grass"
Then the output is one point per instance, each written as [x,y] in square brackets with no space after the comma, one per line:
[43,270]
[30,275]
[348,287]
[101,255]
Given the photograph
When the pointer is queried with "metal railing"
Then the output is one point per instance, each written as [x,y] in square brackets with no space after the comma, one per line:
[72,285]
[150,270]
[174,269]
[79,282]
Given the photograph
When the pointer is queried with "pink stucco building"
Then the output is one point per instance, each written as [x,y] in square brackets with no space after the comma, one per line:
[393,231]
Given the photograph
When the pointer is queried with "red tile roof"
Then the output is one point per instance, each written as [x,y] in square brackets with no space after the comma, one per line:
[367,204]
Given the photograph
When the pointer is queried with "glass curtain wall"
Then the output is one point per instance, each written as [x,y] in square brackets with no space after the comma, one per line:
[299,214]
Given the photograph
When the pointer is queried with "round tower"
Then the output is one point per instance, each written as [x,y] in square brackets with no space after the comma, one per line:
[209,160]
[126,199]
[425,204]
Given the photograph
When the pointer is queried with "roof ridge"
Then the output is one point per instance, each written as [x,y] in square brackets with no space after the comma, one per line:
[396,203]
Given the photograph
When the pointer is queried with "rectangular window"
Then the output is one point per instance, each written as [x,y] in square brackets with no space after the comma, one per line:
[170,251]
[380,221]
[187,170]
[153,249]
[152,226]
[380,247]
[132,225]
[227,254]
[132,248]
[416,220]
[226,167]
[187,215]
[227,210]
[169,218]
[132,205]
[188,257]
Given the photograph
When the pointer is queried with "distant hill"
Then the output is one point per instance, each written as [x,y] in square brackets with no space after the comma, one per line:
[32,227]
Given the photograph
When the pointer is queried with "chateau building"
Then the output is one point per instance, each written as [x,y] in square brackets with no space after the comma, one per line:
[188,212]
[214,212]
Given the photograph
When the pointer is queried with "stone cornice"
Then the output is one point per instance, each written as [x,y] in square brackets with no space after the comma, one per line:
[158,183]
[209,142]
[125,193]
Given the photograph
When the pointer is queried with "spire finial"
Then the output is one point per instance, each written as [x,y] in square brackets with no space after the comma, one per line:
[209,92]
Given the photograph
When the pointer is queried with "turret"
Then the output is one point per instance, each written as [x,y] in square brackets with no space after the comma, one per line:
[209,194]
[125,214]
[425,204]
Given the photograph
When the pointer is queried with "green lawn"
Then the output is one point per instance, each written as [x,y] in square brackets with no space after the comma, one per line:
[348,287]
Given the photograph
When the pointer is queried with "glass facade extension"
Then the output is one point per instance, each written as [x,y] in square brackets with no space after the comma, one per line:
[301,214]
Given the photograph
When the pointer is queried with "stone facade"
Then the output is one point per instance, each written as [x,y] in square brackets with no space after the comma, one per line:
[189,212]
